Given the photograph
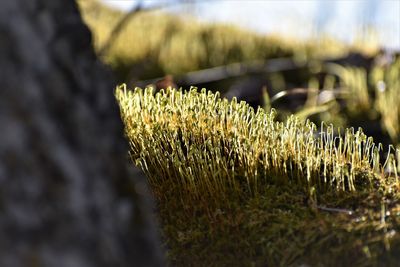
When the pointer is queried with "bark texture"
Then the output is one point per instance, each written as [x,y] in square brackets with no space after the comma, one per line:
[68,196]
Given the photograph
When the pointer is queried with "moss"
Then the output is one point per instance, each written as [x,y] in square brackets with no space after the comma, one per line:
[282,228]
[235,187]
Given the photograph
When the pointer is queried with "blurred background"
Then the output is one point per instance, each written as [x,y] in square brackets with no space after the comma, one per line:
[331,61]
[375,21]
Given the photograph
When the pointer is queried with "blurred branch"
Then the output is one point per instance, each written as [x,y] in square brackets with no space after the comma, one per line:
[125,19]
[323,96]
[316,65]
[346,211]
[232,70]
[238,69]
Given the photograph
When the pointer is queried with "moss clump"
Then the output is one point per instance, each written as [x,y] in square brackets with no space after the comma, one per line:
[282,227]
[236,187]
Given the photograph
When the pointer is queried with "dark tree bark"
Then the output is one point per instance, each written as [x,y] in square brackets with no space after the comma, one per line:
[68,196]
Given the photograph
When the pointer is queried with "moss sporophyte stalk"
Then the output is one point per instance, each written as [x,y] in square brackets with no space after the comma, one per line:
[236,187]
[210,146]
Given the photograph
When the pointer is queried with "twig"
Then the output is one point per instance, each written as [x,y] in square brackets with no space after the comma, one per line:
[348,212]
[230,71]
[324,96]
[125,19]
[238,69]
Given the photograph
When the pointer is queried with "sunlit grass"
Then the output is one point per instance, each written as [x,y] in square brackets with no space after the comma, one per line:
[162,39]
[373,95]
[156,41]
[386,82]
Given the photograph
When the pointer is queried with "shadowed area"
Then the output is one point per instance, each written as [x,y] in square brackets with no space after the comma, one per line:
[67,195]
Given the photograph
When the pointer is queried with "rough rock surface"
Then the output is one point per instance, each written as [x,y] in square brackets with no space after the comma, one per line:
[68,197]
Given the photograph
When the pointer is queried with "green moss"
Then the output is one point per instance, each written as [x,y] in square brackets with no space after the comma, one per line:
[282,228]
[235,187]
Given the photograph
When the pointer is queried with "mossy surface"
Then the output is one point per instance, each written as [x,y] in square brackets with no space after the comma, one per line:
[235,187]
[283,227]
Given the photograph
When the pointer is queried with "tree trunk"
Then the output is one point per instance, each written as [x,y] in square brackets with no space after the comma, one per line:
[68,197]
